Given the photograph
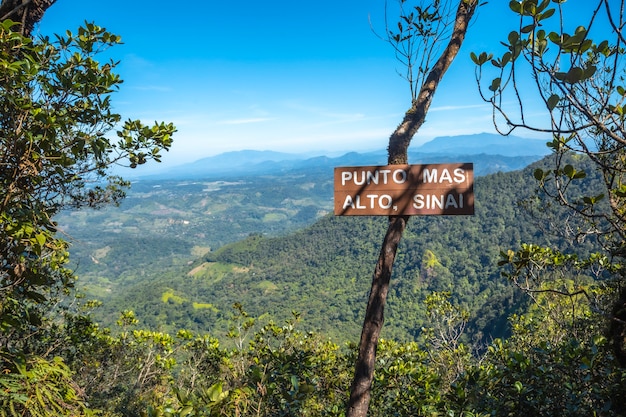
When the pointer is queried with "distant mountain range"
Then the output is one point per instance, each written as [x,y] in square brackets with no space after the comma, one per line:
[489,152]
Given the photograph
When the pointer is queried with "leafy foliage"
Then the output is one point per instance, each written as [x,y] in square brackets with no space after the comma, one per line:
[577,68]
[56,112]
[272,369]
[37,387]
[54,153]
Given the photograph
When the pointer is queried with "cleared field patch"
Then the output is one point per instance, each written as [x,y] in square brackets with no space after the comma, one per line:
[213,272]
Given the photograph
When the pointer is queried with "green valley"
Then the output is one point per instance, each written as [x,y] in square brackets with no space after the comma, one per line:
[162,224]
[180,254]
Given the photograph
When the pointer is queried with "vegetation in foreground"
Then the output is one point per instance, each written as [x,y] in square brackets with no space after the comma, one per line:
[549,367]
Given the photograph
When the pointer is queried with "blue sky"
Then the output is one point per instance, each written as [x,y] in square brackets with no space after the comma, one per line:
[276,75]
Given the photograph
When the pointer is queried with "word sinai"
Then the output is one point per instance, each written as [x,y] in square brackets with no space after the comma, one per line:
[400,176]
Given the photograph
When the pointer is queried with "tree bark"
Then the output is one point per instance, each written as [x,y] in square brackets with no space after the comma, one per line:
[374,318]
[360,391]
[26,12]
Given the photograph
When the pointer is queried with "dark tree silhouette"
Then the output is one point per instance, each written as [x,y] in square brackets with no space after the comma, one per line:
[26,12]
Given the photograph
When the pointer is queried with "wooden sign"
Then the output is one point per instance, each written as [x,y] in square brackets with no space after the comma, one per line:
[394,190]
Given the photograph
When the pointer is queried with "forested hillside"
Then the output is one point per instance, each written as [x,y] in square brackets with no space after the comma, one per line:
[324,271]
[169,223]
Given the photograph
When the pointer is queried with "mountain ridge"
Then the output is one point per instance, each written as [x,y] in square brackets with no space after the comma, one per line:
[440,149]
[480,143]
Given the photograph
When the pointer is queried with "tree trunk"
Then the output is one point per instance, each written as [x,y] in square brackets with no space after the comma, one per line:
[26,12]
[360,391]
[374,317]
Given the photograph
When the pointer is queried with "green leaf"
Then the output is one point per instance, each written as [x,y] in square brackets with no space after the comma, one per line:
[480,59]
[539,174]
[495,84]
[621,191]
[552,102]
[214,392]
[593,200]
[589,72]
[555,38]
[294,382]
[41,239]
[36,297]
[515,6]
[188,410]
[506,58]
[546,15]
[574,75]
